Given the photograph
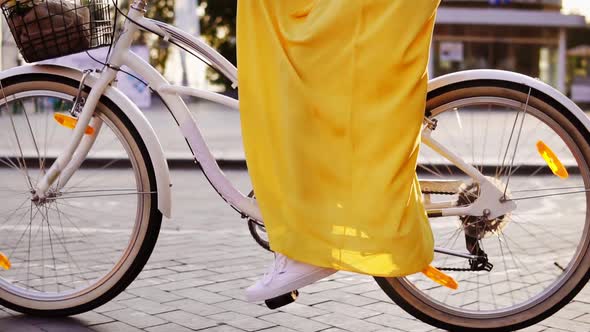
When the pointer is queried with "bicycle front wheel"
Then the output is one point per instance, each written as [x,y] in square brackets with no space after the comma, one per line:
[83,244]
[513,135]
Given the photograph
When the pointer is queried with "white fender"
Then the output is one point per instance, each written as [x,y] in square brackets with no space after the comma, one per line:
[136,117]
[501,75]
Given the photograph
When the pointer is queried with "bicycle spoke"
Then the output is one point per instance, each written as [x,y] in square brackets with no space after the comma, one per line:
[23,165]
[32,135]
[547,195]
[103,195]
[517,141]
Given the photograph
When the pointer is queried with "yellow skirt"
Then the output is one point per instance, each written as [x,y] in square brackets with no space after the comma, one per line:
[332,96]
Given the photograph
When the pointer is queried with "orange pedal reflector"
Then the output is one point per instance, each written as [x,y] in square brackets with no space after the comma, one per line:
[440,277]
[70,122]
[552,161]
[4,262]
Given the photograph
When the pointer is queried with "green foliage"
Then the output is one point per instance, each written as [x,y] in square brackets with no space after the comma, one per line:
[161,10]
[218,26]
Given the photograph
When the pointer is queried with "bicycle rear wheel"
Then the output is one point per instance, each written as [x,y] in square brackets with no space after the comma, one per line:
[539,251]
[83,244]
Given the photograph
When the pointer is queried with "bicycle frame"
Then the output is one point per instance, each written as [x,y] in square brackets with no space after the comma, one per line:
[489,204]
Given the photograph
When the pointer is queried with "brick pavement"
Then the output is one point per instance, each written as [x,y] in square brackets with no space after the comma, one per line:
[203,261]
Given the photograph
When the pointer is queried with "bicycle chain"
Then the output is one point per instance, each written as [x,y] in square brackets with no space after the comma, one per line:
[487,266]
[439,193]
[457,269]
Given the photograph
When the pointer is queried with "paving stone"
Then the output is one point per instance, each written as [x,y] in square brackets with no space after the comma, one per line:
[185,268]
[147,306]
[187,319]
[235,275]
[360,288]
[322,286]
[155,294]
[583,318]
[169,327]
[241,321]
[353,278]
[377,295]
[155,265]
[16,325]
[146,274]
[63,326]
[177,276]
[93,318]
[537,328]
[279,329]
[135,318]
[566,324]
[335,295]
[303,310]
[200,295]
[146,283]
[236,294]
[183,284]
[115,326]
[109,306]
[346,309]
[226,285]
[347,323]
[227,316]
[294,322]
[566,313]
[224,328]
[396,322]
[388,308]
[246,308]
[195,307]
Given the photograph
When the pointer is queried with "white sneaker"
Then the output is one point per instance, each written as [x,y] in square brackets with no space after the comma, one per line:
[284,276]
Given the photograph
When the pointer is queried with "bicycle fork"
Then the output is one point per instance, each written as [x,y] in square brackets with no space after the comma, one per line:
[72,156]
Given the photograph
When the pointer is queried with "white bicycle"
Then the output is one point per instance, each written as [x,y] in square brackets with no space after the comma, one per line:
[503,167]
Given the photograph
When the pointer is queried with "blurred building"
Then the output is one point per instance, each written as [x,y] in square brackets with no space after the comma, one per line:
[525,36]
[8,49]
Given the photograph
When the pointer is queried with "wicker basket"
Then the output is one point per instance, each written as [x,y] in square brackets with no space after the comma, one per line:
[46,29]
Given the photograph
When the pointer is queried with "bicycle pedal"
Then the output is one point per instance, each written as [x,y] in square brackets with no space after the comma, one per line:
[283,300]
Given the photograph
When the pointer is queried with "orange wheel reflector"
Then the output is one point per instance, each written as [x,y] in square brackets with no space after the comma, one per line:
[4,262]
[440,277]
[552,161]
[70,122]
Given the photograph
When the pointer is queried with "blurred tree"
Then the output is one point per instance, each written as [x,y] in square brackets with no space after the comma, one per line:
[161,10]
[218,27]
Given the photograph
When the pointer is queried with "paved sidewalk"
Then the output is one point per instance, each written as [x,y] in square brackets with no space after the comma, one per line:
[205,258]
